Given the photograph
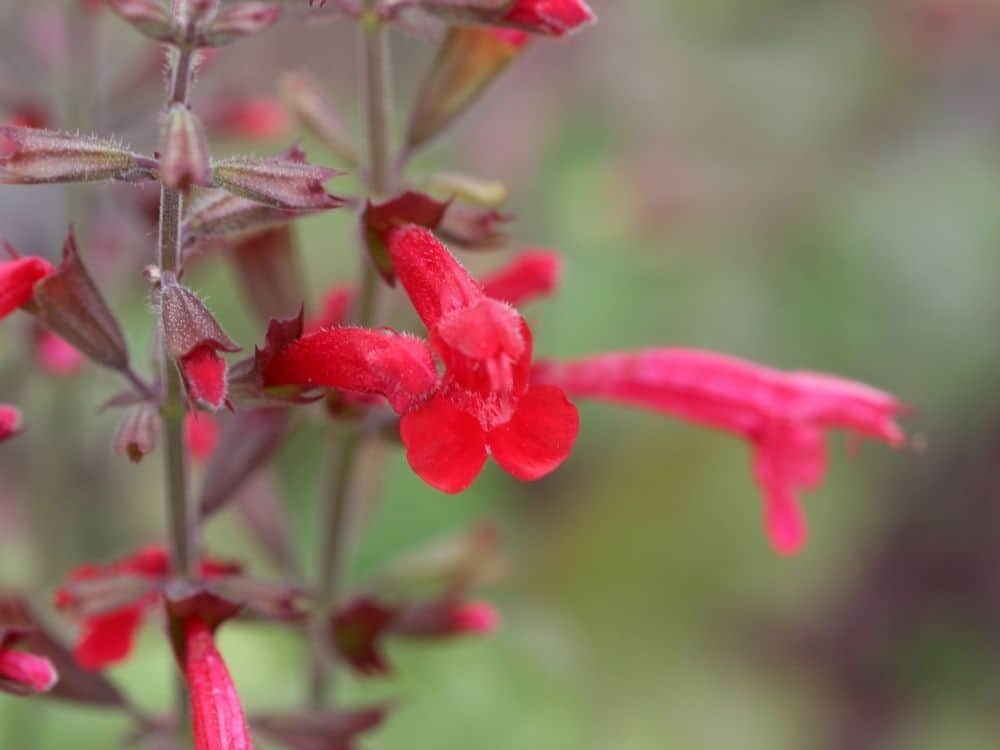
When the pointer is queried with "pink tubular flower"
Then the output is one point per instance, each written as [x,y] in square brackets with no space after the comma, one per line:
[533,273]
[216,712]
[107,638]
[782,415]
[57,356]
[23,673]
[552,17]
[10,421]
[483,403]
[17,281]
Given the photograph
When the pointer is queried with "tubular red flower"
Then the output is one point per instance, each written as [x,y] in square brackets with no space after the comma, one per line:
[17,281]
[107,638]
[23,673]
[333,308]
[552,17]
[482,404]
[10,421]
[533,273]
[250,119]
[216,712]
[782,415]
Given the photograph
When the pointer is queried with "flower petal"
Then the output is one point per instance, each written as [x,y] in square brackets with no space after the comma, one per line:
[216,712]
[108,639]
[445,446]
[382,362]
[539,436]
[17,281]
[204,374]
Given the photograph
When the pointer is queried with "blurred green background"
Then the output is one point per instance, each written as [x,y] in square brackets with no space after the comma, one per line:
[807,183]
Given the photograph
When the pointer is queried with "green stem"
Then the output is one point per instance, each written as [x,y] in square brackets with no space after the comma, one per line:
[183,530]
[182,523]
[343,495]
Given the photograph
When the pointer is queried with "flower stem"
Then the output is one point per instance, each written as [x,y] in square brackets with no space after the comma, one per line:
[183,531]
[344,493]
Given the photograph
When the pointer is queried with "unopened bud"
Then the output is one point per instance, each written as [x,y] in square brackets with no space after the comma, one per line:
[10,421]
[239,21]
[185,161]
[43,156]
[193,337]
[148,16]
[287,181]
[305,97]
[138,432]
[469,59]
[473,228]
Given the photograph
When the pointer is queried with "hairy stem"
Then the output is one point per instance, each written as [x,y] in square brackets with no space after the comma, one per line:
[183,532]
[182,518]
[343,495]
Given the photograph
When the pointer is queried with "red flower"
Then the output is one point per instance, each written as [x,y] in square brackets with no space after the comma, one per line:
[56,355]
[107,638]
[17,281]
[533,273]
[10,421]
[216,712]
[553,17]
[483,403]
[201,433]
[333,308]
[782,415]
[23,673]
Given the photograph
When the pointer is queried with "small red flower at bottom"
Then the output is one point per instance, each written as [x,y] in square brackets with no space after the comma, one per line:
[107,638]
[782,415]
[216,712]
[10,421]
[57,356]
[23,673]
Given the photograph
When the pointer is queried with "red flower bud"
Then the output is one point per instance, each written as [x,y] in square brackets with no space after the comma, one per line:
[22,673]
[10,421]
[469,60]
[148,16]
[216,712]
[43,156]
[17,281]
[334,308]
[307,100]
[447,617]
[549,17]
[185,161]
[138,432]
[286,181]
[193,337]
[239,21]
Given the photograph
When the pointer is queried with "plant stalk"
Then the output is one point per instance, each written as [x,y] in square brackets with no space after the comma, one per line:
[343,495]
